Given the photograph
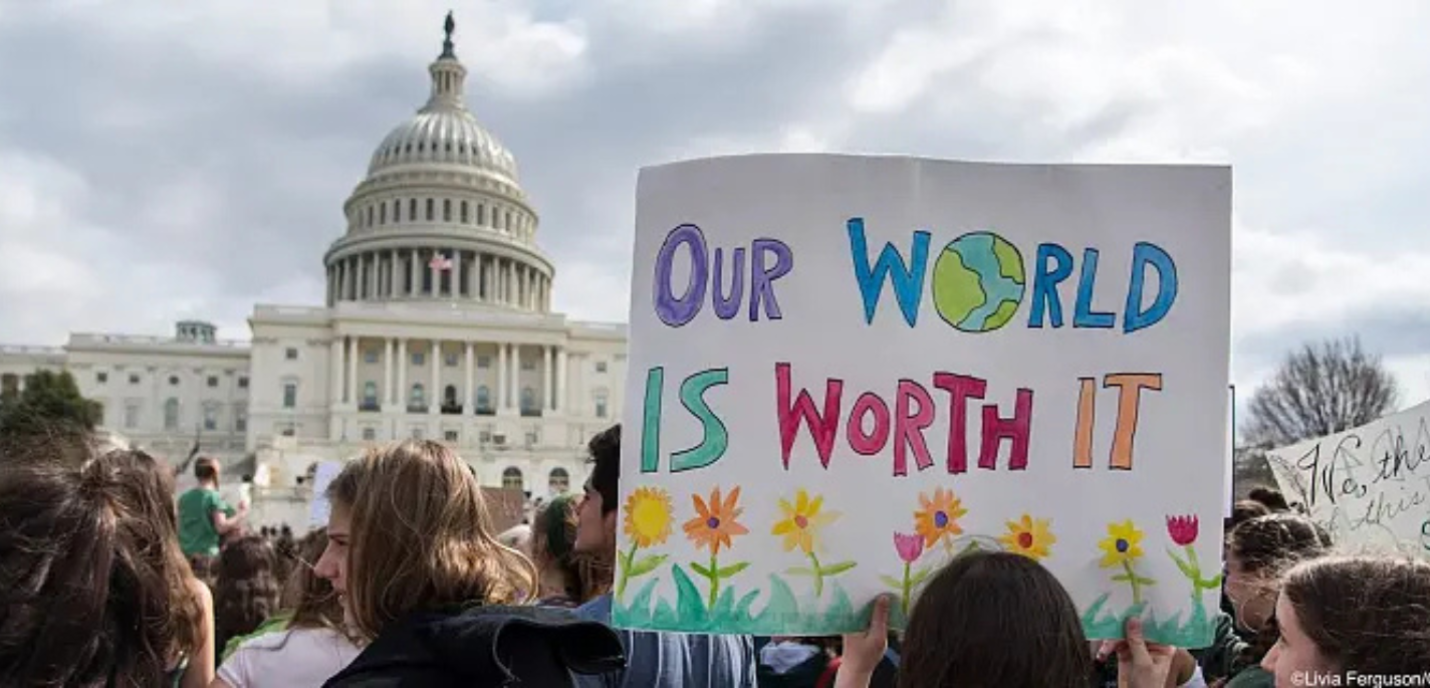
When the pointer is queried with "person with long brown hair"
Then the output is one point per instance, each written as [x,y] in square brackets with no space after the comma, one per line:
[566,578]
[1352,621]
[248,589]
[303,646]
[95,589]
[414,557]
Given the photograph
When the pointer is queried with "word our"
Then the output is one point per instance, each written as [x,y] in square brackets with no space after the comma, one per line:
[772,259]
[872,424]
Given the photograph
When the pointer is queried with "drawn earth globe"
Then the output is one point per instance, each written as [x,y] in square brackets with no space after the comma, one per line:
[978,282]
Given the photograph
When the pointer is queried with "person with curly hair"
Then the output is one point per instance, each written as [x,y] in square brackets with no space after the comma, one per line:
[247,591]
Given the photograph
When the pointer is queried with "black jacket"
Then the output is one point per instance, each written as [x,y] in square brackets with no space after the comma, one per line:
[485,646]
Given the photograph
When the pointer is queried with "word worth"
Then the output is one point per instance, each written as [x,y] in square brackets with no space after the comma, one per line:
[978,281]
[870,425]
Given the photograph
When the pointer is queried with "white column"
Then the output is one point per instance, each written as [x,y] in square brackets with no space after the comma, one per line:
[547,396]
[434,397]
[347,279]
[511,283]
[335,352]
[400,393]
[387,372]
[414,274]
[456,287]
[473,278]
[489,284]
[393,290]
[515,376]
[531,289]
[468,394]
[351,397]
[436,276]
[561,379]
[501,376]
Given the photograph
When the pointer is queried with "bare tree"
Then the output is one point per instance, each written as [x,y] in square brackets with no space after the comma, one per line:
[1320,390]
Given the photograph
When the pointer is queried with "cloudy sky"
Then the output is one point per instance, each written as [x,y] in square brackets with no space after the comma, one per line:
[162,160]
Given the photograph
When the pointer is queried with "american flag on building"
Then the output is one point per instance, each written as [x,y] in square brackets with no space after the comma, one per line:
[440,262]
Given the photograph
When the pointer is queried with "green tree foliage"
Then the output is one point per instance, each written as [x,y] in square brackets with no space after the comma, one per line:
[50,404]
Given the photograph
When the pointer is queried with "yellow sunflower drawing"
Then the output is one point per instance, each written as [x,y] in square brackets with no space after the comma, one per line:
[1122,546]
[1029,537]
[802,521]
[648,516]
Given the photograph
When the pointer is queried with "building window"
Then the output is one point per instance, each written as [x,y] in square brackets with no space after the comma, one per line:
[431,210]
[511,479]
[173,380]
[369,394]
[131,414]
[528,365]
[243,383]
[240,419]
[506,221]
[397,210]
[600,366]
[446,210]
[382,214]
[464,212]
[369,355]
[369,217]
[369,434]
[210,416]
[171,414]
[213,380]
[134,378]
[451,360]
[450,436]
[418,358]
[101,377]
[484,361]
[601,404]
[418,398]
[528,399]
[560,481]
[484,398]
[291,354]
[412,210]
[290,395]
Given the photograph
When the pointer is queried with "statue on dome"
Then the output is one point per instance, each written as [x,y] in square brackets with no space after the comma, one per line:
[448,26]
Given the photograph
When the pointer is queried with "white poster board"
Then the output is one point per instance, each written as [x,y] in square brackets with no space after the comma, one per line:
[320,507]
[846,370]
[1370,486]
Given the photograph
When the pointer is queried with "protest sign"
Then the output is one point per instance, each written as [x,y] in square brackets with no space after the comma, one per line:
[320,507]
[1369,487]
[846,370]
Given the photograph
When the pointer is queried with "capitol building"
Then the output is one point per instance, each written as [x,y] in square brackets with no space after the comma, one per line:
[437,325]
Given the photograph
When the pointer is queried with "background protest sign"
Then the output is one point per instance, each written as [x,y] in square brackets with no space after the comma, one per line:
[846,370]
[1370,486]
[319,508]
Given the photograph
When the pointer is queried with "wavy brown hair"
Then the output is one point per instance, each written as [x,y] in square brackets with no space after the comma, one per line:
[1370,615]
[553,542]
[422,538]
[314,602]
[1267,546]
[94,587]
[248,588]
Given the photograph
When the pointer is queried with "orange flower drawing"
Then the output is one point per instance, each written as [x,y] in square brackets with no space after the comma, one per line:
[937,518]
[716,522]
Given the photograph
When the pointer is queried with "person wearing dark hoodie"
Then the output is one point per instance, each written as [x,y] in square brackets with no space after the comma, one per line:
[422,579]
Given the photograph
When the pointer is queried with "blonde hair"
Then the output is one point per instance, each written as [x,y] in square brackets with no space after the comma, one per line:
[421,537]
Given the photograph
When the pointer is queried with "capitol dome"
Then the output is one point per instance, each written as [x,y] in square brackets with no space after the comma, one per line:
[441,215]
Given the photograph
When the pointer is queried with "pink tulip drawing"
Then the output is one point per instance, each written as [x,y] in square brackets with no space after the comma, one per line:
[910,547]
[1184,531]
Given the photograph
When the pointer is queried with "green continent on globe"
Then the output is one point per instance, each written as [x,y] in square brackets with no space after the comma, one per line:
[978,282]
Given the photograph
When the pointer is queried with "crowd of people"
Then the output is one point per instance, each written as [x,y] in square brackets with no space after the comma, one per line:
[109,579]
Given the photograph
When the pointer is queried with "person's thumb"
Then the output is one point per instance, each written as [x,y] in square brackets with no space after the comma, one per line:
[1136,644]
[879,623]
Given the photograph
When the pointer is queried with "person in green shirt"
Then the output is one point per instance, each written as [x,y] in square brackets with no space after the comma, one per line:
[205,518]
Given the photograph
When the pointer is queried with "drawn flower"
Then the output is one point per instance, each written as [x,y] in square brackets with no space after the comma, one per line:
[937,518]
[716,521]
[648,516]
[648,519]
[1122,544]
[1028,537]
[1122,547]
[909,547]
[1183,529]
[800,526]
[802,521]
